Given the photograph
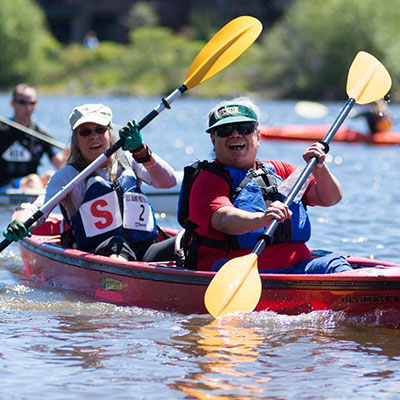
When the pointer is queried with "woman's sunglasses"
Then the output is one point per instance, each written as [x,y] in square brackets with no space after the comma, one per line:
[85,132]
[243,128]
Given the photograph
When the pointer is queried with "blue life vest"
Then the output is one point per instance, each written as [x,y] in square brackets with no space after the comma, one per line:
[251,190]
[253,196]
[103,207]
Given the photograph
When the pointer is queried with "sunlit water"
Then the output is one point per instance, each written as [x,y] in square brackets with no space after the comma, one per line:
[60,345]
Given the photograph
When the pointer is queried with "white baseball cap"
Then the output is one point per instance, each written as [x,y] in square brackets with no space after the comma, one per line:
[97,113]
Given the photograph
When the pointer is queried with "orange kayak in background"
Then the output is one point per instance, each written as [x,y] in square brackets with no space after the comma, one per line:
[313,133]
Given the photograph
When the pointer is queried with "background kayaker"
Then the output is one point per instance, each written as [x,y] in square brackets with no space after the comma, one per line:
[377,116]
[20,153]
[108,213]
[227,210]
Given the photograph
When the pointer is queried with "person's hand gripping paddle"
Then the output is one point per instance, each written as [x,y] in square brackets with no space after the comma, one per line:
[222,49]
[237,287]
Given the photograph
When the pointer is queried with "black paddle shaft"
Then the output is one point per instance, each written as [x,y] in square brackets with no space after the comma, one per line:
[266,237]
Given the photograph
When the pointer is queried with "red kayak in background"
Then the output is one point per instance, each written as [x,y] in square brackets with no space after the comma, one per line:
[313,133]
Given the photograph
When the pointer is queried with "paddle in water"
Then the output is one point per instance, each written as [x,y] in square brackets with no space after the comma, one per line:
[237,285]
[221,50]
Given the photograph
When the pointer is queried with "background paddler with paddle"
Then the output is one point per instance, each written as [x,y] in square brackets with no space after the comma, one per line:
[235,197]
[23,144]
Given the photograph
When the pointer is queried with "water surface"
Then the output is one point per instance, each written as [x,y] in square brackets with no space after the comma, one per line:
[65,346]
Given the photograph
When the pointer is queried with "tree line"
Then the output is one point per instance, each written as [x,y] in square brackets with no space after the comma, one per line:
[305,55]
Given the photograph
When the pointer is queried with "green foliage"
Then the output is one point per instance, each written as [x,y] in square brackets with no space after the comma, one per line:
[76,57]
[157,60]
[79,69]
[23,33]
[309,52]
[141,14]
[203,24]
[240,78]
[305,55]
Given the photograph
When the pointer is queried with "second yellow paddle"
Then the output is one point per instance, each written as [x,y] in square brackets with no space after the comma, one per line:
[237,285]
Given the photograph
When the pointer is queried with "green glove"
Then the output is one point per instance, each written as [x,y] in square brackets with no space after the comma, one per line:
[133,140]
[16,230]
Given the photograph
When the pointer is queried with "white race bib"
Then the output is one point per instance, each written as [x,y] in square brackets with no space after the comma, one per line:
[137,212]
[17,153]
[101,215]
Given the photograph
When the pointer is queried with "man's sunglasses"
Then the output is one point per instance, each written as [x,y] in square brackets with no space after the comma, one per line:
[25,102]
[243,128]
[85,132]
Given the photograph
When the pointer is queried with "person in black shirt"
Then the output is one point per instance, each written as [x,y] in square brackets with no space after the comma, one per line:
[377,116]
[20,153]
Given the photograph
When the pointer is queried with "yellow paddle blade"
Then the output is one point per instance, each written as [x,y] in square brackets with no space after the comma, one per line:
[235,288]
[222,49]
[368,79]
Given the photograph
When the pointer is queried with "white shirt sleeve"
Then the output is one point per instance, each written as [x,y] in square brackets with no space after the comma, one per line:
[60,179]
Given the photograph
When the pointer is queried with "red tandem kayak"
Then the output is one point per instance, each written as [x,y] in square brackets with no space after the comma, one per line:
[372,290]
[311,133]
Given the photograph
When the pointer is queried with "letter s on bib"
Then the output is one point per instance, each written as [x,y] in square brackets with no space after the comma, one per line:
[96,211]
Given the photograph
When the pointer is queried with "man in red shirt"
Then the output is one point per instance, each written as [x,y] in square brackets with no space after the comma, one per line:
[232,201]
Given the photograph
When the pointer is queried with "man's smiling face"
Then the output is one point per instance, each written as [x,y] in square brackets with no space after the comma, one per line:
[237,150]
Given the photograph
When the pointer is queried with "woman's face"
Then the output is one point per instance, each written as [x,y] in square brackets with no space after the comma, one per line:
[237,150]
[93,140]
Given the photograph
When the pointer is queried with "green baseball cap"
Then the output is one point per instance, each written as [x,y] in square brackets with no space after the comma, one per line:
[231,114]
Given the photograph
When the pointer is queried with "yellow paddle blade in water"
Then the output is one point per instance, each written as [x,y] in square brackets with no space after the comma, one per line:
[235,288]
[222,49]
[368,79]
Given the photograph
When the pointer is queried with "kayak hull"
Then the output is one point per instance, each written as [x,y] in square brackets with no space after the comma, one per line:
[372,290]
[159,286]
[312,133]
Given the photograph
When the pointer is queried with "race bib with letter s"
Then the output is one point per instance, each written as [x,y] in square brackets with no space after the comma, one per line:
[101,215]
